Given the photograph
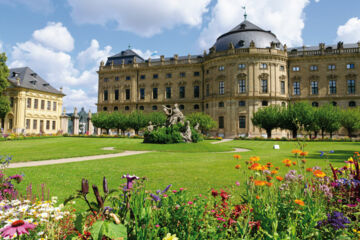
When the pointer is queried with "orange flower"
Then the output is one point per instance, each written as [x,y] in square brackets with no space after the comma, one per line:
[294,163]
[279,178]
[255,159]
[304,154]
[299,202]
[288,164]
[236,156]
[256,167]
[257,197]
[287,161]
[319,174]
[268,178]
[260,183]
[238,166]
[274,172]
[309,169]
[303,160]
[269,184]
[296,151]
[277,168]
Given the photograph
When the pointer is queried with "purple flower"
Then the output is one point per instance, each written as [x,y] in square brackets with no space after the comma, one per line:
[166,189]
[156,198]
[130,179]
[331,151]
[17,177]
[322,153]
[336,220]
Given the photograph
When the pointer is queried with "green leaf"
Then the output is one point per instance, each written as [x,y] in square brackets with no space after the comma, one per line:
[79,222]
[115,231]
[97,230]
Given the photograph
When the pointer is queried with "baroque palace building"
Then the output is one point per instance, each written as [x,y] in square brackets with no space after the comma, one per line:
[247,68]
[35,104]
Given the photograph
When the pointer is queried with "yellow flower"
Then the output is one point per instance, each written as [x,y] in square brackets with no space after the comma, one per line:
[299,202]
[170,237]
[319,173]
[255,159]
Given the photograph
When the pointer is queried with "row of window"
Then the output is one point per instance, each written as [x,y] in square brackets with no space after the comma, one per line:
[34,103]
[332,87]
[242,122]
[330,67]
[155,76]
[155,92]
[350,104]
[41,124]
[243,66]
[154,107]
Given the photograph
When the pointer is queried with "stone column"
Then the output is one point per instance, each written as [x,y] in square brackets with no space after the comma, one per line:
[75,119]
[90,126]
[64,122]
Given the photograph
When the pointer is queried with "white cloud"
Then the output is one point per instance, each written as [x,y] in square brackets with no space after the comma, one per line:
[350,31]
[1,46]
[43,6]
[317,1]
[55,36]
[93,54]
[59,68]
[142,17]
[148,53]
[283,17]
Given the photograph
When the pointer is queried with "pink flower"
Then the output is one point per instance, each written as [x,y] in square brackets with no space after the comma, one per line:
[181,189]
[157,225]
[190,202]
[237,183]
[19,227]
[165,196]
[221,219]
[174,191]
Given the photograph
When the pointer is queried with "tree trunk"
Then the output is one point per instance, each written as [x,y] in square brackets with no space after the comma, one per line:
[294,133]
[268,132]
[315,134]
[2,123]
[136,131]
[349,133]
[331,134]
[322,133]
[310,135]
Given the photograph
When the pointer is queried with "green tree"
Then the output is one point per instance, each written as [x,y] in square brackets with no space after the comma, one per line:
[156,118]
[311,125]
[4,83]
[206,123]
[267,118]
[137,121]
[103,120]
[121,121]
[328,119]
[295,117]
[350,120]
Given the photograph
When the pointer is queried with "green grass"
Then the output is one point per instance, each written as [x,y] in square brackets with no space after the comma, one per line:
[197,167]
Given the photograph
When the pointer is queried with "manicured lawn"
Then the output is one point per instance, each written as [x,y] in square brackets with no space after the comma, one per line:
[196,167]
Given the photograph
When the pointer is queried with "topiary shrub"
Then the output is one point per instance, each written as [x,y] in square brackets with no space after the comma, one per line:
[164,135]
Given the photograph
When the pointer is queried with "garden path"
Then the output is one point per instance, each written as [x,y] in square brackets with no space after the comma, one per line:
[223,140]
[74,159]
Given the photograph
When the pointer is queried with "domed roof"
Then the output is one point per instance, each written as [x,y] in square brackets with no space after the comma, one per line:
[243,34]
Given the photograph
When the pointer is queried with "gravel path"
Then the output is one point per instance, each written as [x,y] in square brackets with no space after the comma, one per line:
[75,159]
[223,140]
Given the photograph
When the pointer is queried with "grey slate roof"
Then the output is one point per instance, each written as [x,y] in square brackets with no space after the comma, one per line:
[243,34]
[127,55]
[30,80]
[314,48]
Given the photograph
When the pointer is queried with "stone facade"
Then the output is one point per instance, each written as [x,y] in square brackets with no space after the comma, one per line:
[231,84]
[34,109]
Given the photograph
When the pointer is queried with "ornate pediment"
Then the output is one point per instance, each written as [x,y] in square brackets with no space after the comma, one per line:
[182,83]
[142,85]
[155,84]
[282,77]
[314,77]
[351,76]
[196,82]
[241,76]
[168,84]
[221,77]
[332,76]
[126,86]
[207,80]
[296,78]
[264,76]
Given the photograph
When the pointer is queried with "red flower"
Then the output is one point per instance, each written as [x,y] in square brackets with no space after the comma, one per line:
[254,224]
[224,195]
[214,193]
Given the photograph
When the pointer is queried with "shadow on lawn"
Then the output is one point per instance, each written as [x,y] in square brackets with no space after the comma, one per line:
[339,156]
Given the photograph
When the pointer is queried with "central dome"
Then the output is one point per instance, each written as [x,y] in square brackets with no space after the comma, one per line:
[243,34]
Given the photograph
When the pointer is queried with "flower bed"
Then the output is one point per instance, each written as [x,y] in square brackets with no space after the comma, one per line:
[305,203]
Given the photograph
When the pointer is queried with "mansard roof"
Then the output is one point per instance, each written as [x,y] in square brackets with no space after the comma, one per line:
[127,56]
[30,80]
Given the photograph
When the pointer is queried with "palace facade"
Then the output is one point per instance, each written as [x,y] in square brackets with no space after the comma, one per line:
[247,68]
[36,106]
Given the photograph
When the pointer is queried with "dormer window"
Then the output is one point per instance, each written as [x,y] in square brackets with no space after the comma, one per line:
[243,26]
[15,74]
[46,84]
[33,82]
[241,43]
[33,75]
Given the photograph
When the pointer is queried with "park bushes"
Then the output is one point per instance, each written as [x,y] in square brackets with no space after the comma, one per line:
[301,116]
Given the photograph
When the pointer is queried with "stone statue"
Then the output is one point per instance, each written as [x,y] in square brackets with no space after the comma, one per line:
[150,127]
[197,127]
[187,134]
[174,115]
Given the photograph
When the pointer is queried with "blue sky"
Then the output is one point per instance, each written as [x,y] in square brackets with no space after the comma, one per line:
[64,40]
